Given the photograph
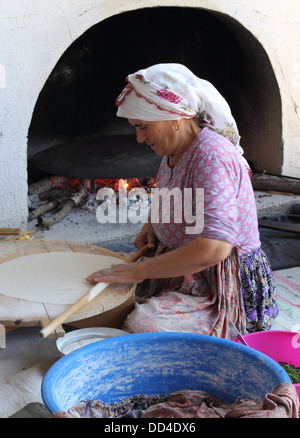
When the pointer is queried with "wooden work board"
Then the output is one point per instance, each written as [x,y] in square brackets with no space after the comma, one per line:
[109,309]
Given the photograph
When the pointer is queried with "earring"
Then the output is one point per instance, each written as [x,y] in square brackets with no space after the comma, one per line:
[176,128]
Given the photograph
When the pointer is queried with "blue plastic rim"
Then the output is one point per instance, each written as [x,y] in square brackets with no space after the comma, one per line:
[160,363]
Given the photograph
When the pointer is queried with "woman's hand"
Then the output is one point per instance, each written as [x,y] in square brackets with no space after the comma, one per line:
[147,236]
[127,273]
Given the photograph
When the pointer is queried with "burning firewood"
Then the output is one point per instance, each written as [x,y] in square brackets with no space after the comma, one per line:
[59,208]
[46,222]
[39,211]
[41,186]
[52,199]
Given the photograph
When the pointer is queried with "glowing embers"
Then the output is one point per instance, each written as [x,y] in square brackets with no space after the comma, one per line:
[129,201]
[52,198]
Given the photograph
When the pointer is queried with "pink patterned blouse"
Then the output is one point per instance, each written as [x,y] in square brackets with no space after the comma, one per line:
[212,163]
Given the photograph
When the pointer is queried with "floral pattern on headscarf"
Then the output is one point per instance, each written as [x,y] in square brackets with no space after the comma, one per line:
[173,92]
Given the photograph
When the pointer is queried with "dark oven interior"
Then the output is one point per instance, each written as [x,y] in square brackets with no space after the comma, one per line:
[74,130]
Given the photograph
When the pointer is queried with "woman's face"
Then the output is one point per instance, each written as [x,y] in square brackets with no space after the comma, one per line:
[160,136]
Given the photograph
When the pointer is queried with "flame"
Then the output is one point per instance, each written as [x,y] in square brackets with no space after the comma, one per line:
[127,184]
[124,183]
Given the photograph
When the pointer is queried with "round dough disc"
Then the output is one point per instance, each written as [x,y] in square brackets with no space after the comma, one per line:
[52,277]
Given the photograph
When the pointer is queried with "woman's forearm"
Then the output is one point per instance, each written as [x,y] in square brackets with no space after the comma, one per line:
[201,253]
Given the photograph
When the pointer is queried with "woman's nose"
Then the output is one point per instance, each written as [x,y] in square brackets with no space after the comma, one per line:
[140,136]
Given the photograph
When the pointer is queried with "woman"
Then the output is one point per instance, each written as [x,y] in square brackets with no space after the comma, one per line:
[197,281]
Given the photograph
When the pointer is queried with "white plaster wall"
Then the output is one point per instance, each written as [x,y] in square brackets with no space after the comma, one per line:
[35,33]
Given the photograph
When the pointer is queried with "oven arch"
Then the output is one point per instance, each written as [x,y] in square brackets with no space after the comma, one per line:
[77,100]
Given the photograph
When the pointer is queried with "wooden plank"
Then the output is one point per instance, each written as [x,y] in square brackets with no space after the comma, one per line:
[28,247]
[14,309]
[275,183]
[8,251]
[81,247]
[279,225]
[110,298]
[57,246]
[16,312]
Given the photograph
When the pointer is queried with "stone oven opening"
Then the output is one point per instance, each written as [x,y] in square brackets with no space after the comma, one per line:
[74,128]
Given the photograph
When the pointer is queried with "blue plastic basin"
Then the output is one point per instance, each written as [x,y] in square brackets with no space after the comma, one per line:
[160,363]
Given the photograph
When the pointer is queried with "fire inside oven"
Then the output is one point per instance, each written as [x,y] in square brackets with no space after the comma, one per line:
[52,198]
[85,171]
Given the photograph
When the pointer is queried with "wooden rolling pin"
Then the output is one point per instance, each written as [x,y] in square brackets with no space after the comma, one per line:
[95,291]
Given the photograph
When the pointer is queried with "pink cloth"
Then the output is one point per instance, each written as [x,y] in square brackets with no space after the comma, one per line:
[282,403]
[204,303]
[212,163]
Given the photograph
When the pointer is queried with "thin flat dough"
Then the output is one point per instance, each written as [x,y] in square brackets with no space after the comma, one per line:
[52,277]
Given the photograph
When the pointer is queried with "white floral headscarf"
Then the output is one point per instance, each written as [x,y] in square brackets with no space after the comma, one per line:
[172,92]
